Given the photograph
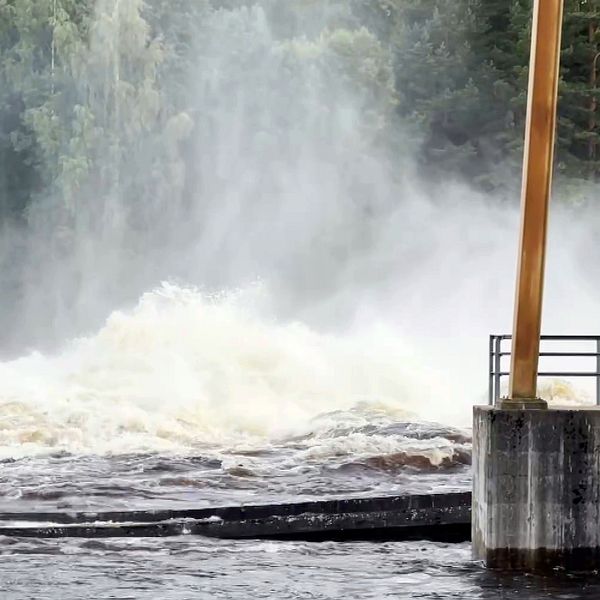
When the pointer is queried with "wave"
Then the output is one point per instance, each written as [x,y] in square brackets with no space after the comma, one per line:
[185,371]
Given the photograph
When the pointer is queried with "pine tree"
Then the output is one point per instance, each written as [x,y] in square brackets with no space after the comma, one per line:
[579,131]
[577,155]
[452,91]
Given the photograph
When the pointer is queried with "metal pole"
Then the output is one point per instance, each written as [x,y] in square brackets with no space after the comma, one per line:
[598,372]
[497,369]
[537,180]
[491,373]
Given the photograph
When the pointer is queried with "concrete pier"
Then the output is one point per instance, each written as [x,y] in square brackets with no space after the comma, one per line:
[536,488]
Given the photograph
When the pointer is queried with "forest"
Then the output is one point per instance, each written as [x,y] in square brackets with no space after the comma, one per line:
[77,111]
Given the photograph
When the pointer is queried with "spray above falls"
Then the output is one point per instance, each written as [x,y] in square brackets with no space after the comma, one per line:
[244,156]
[224,151]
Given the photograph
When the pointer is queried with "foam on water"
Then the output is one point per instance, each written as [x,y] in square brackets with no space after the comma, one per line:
[184,371]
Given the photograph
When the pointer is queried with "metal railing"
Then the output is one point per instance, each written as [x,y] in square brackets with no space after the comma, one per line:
[498,352]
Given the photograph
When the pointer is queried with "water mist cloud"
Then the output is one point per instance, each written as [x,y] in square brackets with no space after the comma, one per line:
[278,160]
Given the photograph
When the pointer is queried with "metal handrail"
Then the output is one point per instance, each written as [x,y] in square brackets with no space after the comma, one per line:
[497,353]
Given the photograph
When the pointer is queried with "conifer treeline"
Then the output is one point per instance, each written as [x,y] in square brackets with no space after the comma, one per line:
[460,71]
[462,68]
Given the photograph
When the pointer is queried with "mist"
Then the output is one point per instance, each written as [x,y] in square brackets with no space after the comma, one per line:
[275,191]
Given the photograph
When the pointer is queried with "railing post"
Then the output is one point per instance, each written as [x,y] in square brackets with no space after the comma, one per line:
[598,371]
[491,372]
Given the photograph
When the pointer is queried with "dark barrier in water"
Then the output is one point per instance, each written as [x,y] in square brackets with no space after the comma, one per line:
[440,517]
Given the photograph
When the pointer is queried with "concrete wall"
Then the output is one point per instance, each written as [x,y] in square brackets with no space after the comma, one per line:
[536,488]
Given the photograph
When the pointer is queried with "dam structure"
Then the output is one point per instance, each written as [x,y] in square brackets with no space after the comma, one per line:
[536,469]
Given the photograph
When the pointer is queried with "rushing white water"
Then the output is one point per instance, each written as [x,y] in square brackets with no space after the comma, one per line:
[183,371]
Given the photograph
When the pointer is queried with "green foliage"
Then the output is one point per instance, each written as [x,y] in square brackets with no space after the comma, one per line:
[86,93]
[93,91]
[579,135]
[439,81]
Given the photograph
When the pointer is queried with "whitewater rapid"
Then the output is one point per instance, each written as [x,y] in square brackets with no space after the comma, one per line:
[185,371]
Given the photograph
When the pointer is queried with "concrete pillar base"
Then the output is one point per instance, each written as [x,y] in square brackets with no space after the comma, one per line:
[536,488]
[530,404]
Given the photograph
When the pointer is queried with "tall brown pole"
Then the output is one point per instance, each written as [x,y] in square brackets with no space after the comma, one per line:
[537,181]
